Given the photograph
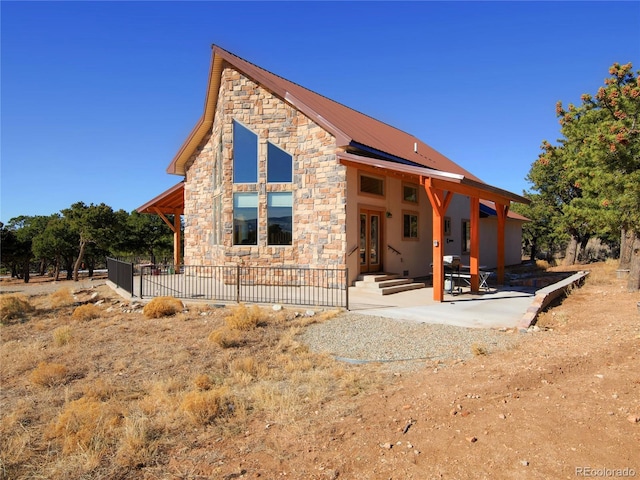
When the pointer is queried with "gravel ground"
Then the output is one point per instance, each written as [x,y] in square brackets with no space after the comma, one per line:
[362,338]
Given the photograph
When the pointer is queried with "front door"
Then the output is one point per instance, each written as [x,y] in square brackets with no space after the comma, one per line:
[370,240]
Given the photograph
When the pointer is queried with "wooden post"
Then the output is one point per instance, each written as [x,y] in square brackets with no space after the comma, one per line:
[501,211]
[439,203]
[474,262]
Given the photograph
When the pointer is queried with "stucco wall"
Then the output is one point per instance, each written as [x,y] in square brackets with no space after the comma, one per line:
[319,183]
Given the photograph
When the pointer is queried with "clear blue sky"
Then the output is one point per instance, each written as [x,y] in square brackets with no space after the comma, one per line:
[98,97]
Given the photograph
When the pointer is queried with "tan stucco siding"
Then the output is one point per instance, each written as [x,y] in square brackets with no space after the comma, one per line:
[319,183]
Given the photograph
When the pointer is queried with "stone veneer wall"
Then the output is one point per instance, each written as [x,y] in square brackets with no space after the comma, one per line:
[319,184]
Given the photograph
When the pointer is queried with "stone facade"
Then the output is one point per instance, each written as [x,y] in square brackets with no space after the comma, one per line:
[319,184]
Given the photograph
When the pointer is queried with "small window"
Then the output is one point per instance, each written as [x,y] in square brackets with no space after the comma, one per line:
[371,185]
[245,218]
[409,193]
[280,214]
[466,236]
[245,154]
[447,226]
[279,165]
[410,225]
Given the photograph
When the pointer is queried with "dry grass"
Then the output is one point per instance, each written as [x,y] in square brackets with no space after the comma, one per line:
[86,312]
[478,349]
[61,298]
[14,307]
[49,374]
[162,307]
[62,336]
[144,393]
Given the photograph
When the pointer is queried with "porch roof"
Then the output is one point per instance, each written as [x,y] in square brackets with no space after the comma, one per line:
[170,202]
[453,182]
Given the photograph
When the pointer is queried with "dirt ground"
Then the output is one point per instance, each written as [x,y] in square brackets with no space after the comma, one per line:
[563,403]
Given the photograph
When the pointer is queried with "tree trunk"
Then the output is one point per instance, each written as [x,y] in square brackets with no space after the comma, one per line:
[571,252]
[56,272]
[580,254]
[626,247]
[76,267]
[633,283]
[534,250]
[25,271]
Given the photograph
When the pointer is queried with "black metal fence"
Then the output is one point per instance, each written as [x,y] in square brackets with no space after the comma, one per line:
[325,287]
[121,273]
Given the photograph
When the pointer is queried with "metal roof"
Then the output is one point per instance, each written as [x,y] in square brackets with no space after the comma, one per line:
[351,128]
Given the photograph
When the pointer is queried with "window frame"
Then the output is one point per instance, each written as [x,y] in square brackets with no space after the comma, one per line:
[270,195]
[446,226]
[271,144]
[375,177]
[466,240]
[257,219]
[413,186]
[410,213]
[235,151]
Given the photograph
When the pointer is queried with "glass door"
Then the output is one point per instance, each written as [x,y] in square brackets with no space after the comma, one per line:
[370,240]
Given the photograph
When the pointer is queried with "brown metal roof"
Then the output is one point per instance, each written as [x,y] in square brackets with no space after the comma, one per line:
[169,202]
[351,128]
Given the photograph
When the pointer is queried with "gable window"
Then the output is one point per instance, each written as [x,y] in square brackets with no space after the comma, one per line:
[279,165]
[280,215]
[410,225]
[409,193]
[245,154]
[245,218]
[466,236]
[371,185]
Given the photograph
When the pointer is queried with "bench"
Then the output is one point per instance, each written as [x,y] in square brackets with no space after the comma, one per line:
[483,277]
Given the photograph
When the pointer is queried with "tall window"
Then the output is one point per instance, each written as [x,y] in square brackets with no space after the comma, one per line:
[245,154]
[466,236]
[280,216]
[245,218]
[410,225]
[217,220]
[279,165]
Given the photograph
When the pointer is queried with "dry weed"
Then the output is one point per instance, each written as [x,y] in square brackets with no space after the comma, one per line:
[14,307]
[203,407]
[162,307]
[227,337]
[246,318]
[61,298]
[86,424]
[62,336]
[138,442]
[49,374]
[478,349]
[86,312]
[203,382]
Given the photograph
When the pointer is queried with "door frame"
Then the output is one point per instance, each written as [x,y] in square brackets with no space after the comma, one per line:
[369,210]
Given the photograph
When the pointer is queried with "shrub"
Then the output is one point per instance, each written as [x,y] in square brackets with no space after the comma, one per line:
[14,307]
[86,312]
[227,337]
[62,336]
[61,298]
[85,425]
[203,382]
[243,318]
[162,307]
[478,349]
[49,374]
[203,407]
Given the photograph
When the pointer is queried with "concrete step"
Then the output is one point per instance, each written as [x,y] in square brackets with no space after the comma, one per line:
[386,283]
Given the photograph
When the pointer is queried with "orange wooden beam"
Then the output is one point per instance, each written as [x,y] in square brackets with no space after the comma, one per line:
[501,211]
[439,203]
[474,257]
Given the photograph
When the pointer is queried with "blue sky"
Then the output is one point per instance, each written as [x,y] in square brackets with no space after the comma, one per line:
[97,97]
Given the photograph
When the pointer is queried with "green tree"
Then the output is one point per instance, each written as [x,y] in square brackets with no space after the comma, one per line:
[18,248]
[94,224]
[147,234]
[602,137]
[58,243]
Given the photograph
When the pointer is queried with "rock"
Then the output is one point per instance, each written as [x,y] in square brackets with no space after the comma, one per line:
[277,307]
[386,446]
[502,416]
[309,313]
[524,463]
[472,439]
[633,418]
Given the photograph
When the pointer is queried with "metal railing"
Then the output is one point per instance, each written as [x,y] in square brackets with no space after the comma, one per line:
[120,273]
[325,287]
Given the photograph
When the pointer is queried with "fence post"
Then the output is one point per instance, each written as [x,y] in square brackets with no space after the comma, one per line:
[237,283]
[141,274]
[346,286]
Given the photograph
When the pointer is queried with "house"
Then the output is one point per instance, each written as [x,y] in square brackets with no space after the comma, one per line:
[276,174]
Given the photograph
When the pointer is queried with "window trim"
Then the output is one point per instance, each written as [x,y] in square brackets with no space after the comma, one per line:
[463,236]
[446,226]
